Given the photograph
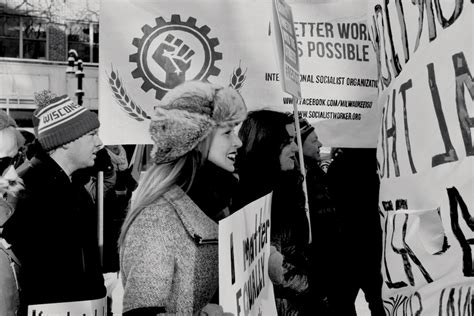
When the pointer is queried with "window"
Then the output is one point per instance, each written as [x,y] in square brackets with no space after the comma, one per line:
[84,38]
[34,38]
[9,36]
[23,37]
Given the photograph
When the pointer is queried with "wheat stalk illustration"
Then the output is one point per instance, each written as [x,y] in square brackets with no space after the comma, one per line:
[238,78]
[123,99]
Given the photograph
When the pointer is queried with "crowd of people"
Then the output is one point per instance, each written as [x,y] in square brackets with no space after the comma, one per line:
[162,239]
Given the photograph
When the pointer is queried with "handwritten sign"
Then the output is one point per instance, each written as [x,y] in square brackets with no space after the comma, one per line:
[244,250]
[425,154]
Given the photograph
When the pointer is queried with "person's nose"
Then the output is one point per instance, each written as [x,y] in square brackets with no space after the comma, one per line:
[237,141]
[98,141]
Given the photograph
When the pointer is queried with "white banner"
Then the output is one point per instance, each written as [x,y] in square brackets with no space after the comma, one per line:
[151,46]
[244,249]
[425,153]
[80,308]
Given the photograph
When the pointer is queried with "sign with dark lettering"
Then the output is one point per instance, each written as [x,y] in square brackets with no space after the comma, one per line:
[326,48]
[425,66]
[286,47]
[79,308]
[244,250]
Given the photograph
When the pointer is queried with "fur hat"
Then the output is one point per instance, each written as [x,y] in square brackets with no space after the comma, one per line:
[61,121]
[188,113]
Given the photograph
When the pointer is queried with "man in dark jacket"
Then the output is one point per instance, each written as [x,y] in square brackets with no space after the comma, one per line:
[354,185]
[325,226]
[53,228]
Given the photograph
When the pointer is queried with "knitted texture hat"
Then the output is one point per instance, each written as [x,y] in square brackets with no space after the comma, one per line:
[42,99]
[188,113]
[305,129]
[61,121]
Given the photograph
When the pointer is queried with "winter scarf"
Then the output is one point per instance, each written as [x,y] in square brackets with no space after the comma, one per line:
[119,160]
[212,190]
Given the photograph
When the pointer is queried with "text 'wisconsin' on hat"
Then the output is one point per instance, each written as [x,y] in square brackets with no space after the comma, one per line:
[63,121]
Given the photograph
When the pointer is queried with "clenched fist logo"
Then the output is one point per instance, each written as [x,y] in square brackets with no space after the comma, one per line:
[174,56]
[172,52]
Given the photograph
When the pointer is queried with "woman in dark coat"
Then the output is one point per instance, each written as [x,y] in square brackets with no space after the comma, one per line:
[266,163]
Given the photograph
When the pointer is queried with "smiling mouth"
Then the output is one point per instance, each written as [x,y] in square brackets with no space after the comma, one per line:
[232,156]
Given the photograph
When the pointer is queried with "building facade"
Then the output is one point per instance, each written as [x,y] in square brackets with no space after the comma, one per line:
[35,39]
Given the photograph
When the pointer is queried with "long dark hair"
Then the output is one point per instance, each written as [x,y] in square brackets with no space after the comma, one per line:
[263,134]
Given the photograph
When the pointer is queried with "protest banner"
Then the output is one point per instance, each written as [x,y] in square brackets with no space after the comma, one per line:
[80,308]
[232,43]
[425,154]
[244,250]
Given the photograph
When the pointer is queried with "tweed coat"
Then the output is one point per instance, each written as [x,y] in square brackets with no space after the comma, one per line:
[169,257]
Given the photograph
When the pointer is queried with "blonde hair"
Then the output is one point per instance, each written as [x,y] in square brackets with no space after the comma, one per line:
[159,178]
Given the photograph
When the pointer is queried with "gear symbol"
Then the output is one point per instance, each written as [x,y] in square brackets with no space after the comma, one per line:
[172,55]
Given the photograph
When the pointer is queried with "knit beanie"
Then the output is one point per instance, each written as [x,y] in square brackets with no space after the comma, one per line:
[42,99]
[305,129]
[61,121]
[188,113]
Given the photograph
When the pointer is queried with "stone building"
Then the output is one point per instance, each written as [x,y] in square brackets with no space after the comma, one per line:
[35,39]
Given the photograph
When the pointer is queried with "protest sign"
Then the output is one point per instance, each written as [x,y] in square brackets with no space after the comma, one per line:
[286,48]
[425,154]
[80,308]
[244,249]
[151,47]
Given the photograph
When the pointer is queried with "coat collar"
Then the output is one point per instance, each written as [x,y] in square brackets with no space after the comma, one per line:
[198,225]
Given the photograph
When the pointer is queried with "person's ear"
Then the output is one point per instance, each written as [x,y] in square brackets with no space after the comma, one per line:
[65,146]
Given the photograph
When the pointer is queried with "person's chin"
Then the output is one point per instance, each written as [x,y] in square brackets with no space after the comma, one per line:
[229,168]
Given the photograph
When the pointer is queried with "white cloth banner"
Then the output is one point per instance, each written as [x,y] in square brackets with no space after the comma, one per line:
[151,46]
[425,154]
[244,249]
[80,308]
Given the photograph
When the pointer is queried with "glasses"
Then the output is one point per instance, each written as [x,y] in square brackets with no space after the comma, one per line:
[6,162]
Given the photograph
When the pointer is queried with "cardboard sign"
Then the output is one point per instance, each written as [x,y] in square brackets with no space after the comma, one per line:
[80,308]
[244,250]
[287,48]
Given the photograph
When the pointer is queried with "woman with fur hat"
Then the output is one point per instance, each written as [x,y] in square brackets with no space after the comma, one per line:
[168,243]
[10,185]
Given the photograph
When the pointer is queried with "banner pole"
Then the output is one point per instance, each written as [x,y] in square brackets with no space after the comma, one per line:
[100,214]
[302,166]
